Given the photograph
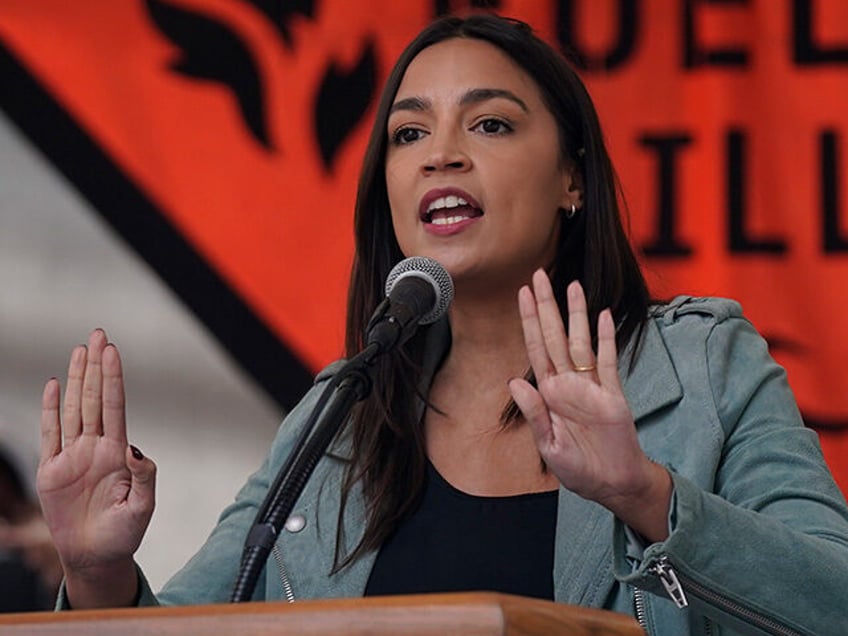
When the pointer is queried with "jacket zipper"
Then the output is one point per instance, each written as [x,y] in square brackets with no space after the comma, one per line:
[641,610]
[284,575]
[669,580]
[640,606]
[674,583]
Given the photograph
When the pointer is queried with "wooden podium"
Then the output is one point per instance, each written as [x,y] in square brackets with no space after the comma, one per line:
[468,614]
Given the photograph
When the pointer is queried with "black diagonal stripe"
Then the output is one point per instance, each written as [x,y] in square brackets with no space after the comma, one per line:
[135,218]
[821,424]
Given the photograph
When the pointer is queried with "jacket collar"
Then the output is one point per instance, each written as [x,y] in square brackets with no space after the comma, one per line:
[650,383]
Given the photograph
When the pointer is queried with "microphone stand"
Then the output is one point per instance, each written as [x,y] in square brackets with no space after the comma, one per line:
[349,385]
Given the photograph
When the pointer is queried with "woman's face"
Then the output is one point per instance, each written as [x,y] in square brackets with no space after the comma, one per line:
[473,167]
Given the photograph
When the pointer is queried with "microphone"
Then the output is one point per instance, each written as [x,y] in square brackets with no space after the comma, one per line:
[418,292]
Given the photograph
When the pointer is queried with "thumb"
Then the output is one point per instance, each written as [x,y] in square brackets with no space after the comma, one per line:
[142,495]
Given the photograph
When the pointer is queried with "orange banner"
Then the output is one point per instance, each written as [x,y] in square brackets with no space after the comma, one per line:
[237,131]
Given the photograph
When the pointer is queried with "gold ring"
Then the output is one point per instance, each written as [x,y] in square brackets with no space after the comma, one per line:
[589,367]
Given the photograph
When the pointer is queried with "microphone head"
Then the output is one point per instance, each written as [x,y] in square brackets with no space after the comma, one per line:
[430,271]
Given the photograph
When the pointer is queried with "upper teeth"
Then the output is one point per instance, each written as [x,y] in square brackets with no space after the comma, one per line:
[450,201]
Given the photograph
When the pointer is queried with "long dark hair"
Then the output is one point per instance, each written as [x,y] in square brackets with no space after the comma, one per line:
[387,434]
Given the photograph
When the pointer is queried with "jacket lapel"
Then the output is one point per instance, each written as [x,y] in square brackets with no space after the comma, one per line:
[651,382]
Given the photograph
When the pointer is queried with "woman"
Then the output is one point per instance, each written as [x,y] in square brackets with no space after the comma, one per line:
[487,155]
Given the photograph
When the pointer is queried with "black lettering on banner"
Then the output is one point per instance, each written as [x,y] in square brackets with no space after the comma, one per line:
[667,149]
[739,242]
[694,53]
[832,239]
[447,7]
[622,49]
[805,50]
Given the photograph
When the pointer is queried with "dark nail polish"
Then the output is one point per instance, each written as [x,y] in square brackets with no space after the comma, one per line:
[136,453]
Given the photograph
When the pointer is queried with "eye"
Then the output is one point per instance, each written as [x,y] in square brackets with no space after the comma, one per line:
[492,126]
[406,135]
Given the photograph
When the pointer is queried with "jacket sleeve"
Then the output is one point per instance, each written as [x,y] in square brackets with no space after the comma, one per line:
[766,549]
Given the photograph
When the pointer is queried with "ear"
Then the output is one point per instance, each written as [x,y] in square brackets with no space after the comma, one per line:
[572,186]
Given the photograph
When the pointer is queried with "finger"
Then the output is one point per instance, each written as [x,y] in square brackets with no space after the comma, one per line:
[550,320]
[71,407]
[142,497]
[579,336]
[51,429]
[607,352]
[534,410]
[92,385]
[534,342]
[114,411]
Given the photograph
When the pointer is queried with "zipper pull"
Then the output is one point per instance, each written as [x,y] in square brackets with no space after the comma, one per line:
[668,577]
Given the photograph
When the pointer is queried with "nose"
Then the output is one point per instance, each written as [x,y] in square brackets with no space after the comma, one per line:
[445,154]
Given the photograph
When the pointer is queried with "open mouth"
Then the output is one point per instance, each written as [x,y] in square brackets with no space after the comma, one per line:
[449,209]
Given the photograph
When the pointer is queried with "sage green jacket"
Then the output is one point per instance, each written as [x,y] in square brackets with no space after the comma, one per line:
[759,530]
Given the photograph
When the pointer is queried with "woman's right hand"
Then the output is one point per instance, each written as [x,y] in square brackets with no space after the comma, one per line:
[96,491]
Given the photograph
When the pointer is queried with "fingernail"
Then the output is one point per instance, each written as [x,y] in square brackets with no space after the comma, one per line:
[136,453]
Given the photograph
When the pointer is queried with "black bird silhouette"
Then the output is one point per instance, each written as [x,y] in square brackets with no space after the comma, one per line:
[279,12]
[342,101]
[212,51]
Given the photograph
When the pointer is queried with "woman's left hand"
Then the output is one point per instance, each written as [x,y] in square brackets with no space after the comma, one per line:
[580,418]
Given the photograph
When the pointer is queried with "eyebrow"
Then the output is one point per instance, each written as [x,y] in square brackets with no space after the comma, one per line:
[477,95]
[473,96]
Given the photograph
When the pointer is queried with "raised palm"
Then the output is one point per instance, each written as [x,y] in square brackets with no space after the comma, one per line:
[580,418]
[97,494]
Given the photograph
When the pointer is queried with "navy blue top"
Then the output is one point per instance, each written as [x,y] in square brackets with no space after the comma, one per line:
[456,542]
